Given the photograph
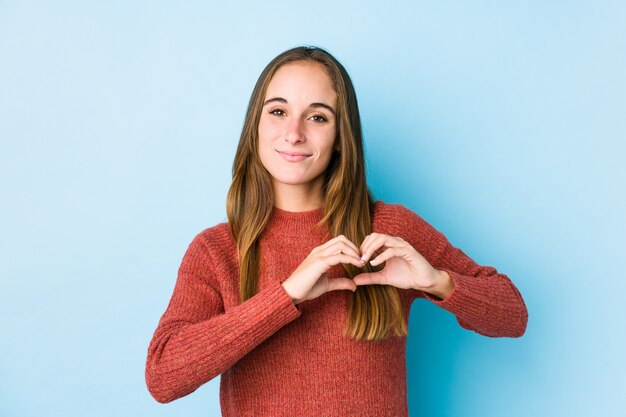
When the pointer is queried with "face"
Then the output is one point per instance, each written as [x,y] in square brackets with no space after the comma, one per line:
[297,128]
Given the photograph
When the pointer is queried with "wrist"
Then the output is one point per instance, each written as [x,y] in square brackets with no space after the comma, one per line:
[285,285]
[444,285]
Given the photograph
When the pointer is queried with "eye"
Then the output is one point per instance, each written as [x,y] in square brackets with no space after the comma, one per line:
[277,112]
[319,118]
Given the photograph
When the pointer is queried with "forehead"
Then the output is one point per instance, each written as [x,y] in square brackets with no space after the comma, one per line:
[302,81]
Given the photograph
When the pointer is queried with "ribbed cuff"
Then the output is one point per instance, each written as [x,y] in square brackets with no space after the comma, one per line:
[272,298]
[464,300]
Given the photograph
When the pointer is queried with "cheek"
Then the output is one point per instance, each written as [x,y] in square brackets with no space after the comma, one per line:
[266,129]
[265,137]
[328,154]
[264,150]
[327,141]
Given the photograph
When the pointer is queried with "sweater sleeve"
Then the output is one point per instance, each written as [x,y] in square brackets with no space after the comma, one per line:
[195,339]
[483,300]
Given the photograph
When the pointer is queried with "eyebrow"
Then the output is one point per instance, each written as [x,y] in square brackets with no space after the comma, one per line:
[282,100]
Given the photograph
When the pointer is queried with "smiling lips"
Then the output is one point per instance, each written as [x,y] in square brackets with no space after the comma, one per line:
[293,156]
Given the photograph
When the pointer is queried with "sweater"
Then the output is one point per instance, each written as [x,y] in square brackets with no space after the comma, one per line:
[277,358]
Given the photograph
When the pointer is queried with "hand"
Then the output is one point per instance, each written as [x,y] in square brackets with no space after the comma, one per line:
[405,267]
[309,280]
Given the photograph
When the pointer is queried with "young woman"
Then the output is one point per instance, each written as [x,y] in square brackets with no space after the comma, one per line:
[300,301]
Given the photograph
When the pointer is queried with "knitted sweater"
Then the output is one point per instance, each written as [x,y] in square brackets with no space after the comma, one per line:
[277,358]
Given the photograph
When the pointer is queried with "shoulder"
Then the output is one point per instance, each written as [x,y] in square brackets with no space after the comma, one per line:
[211,255]
[395,217]
[216,242]
[216,235]
[399,220]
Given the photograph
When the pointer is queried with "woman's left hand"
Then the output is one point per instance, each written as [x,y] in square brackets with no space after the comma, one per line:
[405,267]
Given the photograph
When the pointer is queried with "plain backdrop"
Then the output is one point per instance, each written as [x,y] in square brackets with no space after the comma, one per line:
[500,123]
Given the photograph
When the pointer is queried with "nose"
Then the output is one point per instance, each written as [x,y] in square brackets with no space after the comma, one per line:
[295,131]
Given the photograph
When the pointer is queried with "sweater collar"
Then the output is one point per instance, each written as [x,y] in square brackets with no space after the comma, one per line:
[295,222]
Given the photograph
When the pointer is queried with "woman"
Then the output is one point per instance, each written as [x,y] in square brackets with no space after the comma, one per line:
[300,301]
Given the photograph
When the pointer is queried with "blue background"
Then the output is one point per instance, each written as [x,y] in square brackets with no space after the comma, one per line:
[501,123]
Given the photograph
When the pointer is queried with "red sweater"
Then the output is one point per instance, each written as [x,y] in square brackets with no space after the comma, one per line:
[280,359]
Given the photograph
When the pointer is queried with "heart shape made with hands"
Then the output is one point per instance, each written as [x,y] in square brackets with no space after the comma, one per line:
[404,266]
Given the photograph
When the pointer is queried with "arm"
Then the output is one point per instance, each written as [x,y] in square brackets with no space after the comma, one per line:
[196,340]
[482,299]
[444,286]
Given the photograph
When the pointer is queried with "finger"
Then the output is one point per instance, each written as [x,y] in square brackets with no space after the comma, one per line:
[367,240]
[368,278]
[341,247]
[331,242]
[351,244]
[341,284]
[343,239]
[363,245]
[366,244]
[344,259]
[375,243]
[386,255]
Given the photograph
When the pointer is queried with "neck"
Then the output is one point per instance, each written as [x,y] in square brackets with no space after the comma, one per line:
[300,197]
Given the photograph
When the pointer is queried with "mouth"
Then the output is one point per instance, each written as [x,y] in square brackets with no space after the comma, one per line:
[293,156]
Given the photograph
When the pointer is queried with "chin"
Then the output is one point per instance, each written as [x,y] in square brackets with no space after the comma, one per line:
[291,181]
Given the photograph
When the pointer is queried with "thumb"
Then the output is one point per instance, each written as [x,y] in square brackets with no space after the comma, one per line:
[341,284]
[367,278]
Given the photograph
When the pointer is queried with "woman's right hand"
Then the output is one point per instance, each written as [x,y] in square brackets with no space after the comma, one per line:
[309,280]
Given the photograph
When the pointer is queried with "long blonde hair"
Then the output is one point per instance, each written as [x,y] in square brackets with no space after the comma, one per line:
[375,310]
